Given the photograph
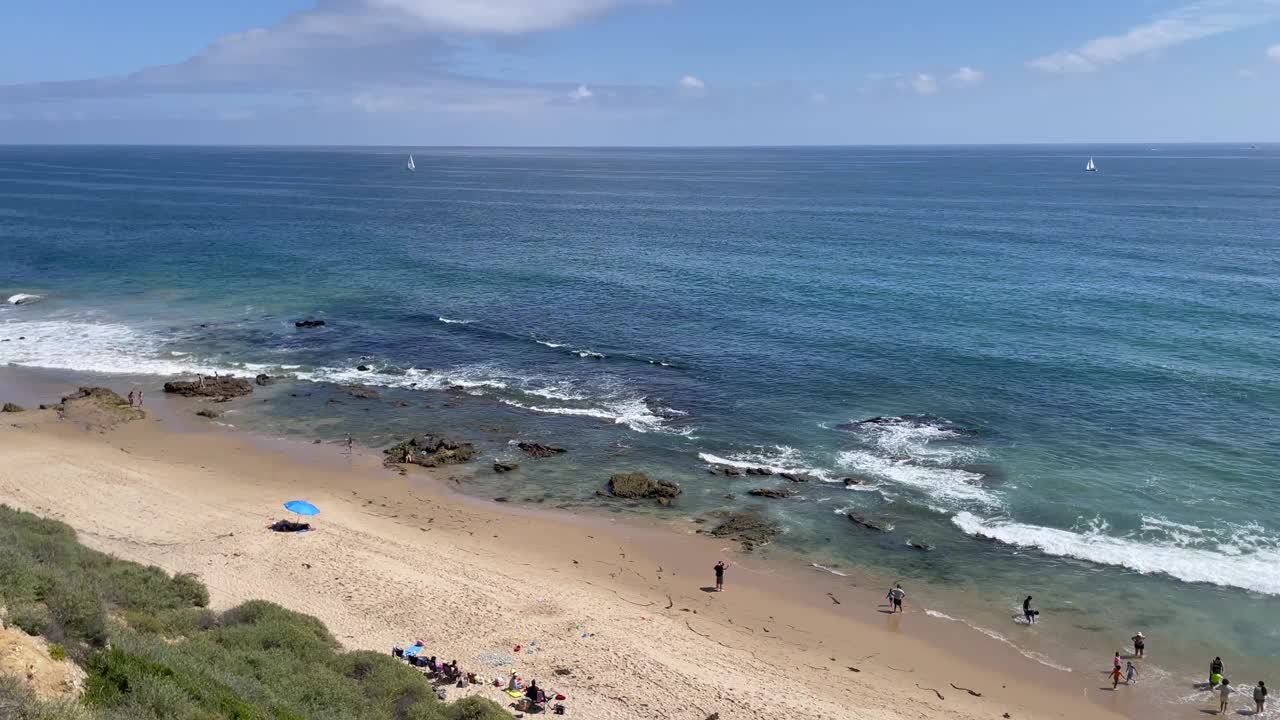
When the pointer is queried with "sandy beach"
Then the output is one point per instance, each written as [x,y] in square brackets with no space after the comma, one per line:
[617,615]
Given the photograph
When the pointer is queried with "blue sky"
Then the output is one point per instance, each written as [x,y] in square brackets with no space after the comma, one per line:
[639,72]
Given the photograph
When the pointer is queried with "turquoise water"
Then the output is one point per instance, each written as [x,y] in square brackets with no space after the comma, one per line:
[1082,365]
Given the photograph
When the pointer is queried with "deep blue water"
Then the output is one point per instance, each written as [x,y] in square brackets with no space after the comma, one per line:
[1091,356]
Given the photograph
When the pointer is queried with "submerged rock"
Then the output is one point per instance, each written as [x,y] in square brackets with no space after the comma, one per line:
[309,324]
[502,467]
[12,408]
[220,386]
[264,379]
[429,451]
[749,528]
[868,523]
[364,392]
[920,545]
[774,493]
[764,471]
[638,485]
[209,413]
[538,450]
[793,477]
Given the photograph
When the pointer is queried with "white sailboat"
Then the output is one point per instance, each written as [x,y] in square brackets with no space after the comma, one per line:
[1091,167]
[410,166]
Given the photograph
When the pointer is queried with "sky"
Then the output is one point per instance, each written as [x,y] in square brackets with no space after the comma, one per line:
[639,72]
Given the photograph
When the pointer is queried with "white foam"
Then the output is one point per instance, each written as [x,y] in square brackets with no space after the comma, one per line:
[24,298]
[1029,654]
[109,348]
[632,412]
[549,344]
[449,321]
[589,354]
[943,484]
[1255,567]
[824,568]
[779,459]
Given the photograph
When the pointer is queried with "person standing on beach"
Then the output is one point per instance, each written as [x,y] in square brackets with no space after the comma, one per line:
[1139,645]
[1027,612]
[131,398]
[1215,671]
[720,576]
[1224,696]
[139,398]
[896,596]
[1260,698]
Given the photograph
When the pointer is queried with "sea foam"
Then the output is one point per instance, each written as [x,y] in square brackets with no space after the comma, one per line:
[1256,565]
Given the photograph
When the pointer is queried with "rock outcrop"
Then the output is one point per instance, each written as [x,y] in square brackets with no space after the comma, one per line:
[538,450]
[12,408]
[364,392]
[98,407]
[502,467]
[869,523]
[264,379]
[639,486]
[209,413]
[749,528]
[429,451]
[219,386]
[773,493]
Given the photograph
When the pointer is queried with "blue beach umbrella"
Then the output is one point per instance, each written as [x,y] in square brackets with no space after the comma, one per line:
[301,507]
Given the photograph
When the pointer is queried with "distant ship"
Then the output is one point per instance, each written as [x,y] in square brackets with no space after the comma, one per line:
[1087,168]
[412,168]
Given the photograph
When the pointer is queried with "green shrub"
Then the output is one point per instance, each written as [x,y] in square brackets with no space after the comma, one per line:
[57,653]
[32,619]
[18,702]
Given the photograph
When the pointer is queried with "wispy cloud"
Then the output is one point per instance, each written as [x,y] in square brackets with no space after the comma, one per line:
[965,77]
[1190,22]
[689,82]
[924,84]
[580,93]
[1273,53]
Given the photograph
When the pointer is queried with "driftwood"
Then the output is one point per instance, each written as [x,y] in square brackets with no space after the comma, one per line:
[974,693]
[935,692]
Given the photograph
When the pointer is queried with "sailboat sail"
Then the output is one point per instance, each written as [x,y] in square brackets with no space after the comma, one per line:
[410,165]
[1091,167]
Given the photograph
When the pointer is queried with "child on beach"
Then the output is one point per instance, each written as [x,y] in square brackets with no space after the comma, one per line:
[1115,677]
[1260,698]
[1224,696]
[720,576]
[1130,674]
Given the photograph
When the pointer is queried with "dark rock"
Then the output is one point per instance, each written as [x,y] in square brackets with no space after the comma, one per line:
[98,406]
[209,413]
[364,392]
[793,477]
[638,485]
[403,403]
[264,379]
[362,368]
[12,408]
[221,386]
[921,545]
[750,528]
[774,493]
[429,451]
[759,471]
[309,324]
[501,467]
[868,523]
[850,482]
[538,450]
[500,499]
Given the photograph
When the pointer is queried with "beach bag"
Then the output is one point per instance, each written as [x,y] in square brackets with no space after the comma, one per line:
[558,709]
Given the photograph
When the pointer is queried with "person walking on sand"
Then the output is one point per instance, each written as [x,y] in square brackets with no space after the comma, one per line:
[1130,674]
[1139,645]
[1260,698]
[720,576]
[1224,696]
[896,596]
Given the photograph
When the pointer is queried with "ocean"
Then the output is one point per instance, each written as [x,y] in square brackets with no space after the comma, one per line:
[1062,382]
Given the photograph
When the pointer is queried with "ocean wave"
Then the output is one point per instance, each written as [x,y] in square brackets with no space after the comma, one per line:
[110,348]
[449,321]
[548,343]
[1255,564]
[589,354]
[635,413]
[24,298]
[778,459]
[1029,654]
[951,485]
[920,437]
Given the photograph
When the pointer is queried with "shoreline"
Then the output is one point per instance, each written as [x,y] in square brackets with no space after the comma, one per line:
[622,576]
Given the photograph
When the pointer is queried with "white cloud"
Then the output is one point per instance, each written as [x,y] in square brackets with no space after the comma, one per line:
[818,98]
[924,84]
[689,82]
[966,76]
[499,16]
[1190,22]
[1273,53]
[582,92]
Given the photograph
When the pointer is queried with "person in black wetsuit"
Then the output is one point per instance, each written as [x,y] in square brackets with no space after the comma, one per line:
[1027,612]
[720,576]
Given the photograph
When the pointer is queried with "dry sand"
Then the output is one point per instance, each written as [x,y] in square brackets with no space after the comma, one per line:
[620,607]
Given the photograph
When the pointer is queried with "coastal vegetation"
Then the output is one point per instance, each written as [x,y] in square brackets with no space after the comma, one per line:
[149,646]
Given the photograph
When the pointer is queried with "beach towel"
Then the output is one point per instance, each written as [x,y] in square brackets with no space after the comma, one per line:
[517,694]
[413,651]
